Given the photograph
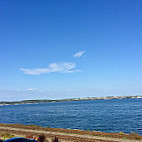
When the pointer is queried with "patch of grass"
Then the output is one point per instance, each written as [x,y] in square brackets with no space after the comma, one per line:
[32,125]
[121,133]
[6,135]
[124,138]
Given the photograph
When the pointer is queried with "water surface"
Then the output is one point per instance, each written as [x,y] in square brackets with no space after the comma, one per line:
[100,115]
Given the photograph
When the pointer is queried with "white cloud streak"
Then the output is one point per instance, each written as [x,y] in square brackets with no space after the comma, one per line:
[52,68]
[31,89]
[79,54]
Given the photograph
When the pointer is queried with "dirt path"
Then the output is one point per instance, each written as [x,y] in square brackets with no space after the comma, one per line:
[66,136]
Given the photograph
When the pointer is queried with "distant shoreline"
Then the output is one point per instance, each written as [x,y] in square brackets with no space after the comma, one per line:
[66,100]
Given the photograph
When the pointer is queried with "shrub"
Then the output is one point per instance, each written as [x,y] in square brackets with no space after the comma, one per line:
[121,133]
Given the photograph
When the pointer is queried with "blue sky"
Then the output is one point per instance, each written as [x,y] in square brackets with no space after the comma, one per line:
[56,49]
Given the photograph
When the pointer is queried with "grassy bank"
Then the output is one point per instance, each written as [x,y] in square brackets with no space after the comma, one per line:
[10,133]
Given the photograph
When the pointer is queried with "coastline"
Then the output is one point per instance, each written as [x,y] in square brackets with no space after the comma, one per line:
[3,103]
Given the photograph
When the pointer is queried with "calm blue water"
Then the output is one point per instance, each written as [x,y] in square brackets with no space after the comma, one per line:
[100,115]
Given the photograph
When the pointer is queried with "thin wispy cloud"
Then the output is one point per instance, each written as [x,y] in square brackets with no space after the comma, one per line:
[79,54]
[35,89]
[31,89]
[64,67]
